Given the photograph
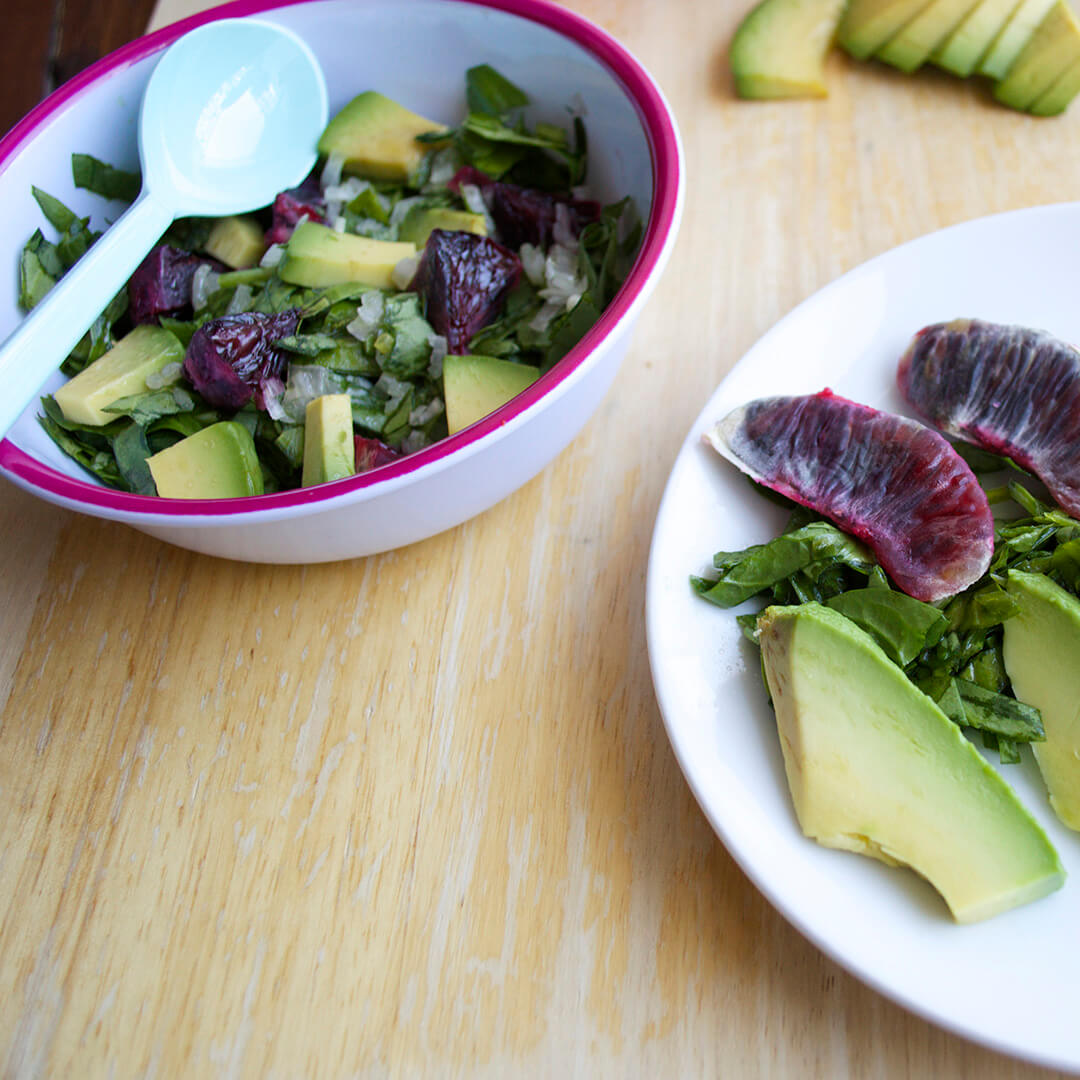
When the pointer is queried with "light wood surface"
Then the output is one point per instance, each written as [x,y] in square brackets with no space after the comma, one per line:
[416,814]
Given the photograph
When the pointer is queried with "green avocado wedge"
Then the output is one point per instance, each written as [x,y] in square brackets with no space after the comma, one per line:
[868,24]
[779,48]
[875,767]
[913,44]
[962,50]
[1050,51]
[1041,647]
[1012,37]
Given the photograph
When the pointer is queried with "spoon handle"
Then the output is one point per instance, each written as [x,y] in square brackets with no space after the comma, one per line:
[45,337]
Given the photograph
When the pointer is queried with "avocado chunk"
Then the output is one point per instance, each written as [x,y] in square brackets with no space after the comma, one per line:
[474,386]
[377,137]
[119,373]
[1050,51]
[329,447]
[218,462]
[1042,659]
[1012,37]
[875,767]
[236,241]
[1045,57]
[420,221]
[913,43]
[1057,99]
[779,48]
[868,24]
[962,50]
[317,256]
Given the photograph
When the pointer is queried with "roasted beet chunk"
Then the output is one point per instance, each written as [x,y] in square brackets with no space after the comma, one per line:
[233,358]
[291,206]
[463,279]
[162,283]
[527,216]
[370,453]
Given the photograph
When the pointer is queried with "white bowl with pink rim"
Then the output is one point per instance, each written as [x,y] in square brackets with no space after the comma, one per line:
[555,56]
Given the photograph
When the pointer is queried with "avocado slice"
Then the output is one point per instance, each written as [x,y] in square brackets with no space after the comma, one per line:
[868,24]
[779,48]
[912,45]
[1056,100]
[1049,52]
[962,50]
[420,221]
[474,386]
[236,241]
[329,446]
[316,256]
[1013,36]
[875,767]
[119,373]
[377,137]
[1041,647]
[218,462]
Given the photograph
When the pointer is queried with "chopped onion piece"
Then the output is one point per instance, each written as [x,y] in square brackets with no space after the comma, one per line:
[394,389]
[331,174]
[306,383]
[272,256]
[402,207]
[542,319]
[369,313]
[405,271]
[563,232]
[203,282]
[473,198]
[168,375]
[240,300]
[415,440]
[439,349]
[532,262]
[338,223]
[423,413]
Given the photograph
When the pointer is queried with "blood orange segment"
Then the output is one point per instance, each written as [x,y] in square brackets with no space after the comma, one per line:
[1009,389]
[892,482]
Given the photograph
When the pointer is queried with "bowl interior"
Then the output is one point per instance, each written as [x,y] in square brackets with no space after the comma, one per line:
[361,46]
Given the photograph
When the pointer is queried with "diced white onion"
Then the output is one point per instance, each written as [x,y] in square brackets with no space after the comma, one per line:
[405,271]
[542,319]
[168,375]
[306,383]
[369,313]
[563,233]
[564,283]
[532,262]
[331,174]
[338,223]
[240,300]
[423,413]
[394,389]
[473,198]
[402,207]
[272,256]
[444,163]
[439,349]
[415,440]
[203,283]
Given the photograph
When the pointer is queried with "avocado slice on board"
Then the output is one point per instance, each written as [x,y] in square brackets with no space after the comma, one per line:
[912,45]
[875,767]
[1048,53]
[779,48]
[1012,37]
[1056,100]
[868,24]
[1041,647]
[962,50]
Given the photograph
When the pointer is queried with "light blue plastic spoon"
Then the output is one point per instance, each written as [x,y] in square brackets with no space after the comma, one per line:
[231,116]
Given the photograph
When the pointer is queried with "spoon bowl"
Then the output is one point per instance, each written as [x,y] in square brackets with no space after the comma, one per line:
[231,116]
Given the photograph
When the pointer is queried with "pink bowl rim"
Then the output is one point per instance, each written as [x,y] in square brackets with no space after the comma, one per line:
[665,152]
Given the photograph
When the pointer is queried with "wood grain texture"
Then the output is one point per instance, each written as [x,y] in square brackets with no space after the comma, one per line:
[416,814]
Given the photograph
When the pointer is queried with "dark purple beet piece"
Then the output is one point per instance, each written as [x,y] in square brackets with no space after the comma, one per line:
[370,453]
[290,207]
[469,174]
[1008,389]
[463,279]
[162,283]
[231,359]
[892,482]
[527,216]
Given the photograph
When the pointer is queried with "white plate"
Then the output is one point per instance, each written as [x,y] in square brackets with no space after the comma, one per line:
[1011,983]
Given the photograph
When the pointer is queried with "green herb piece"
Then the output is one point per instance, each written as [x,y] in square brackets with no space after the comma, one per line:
[901,625]
[105,180]
[486,91]
[131,449]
